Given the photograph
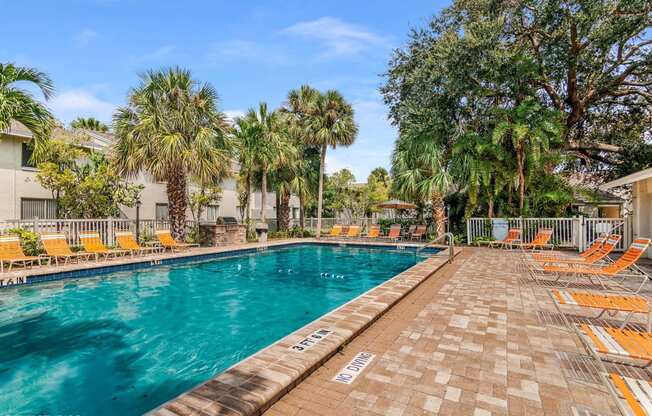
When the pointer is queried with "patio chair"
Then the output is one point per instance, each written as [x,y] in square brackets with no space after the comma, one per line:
[56,247]
[410,230]
[595,246]
[419,232]
[353,232]
[126,241]
[617,344]
[541,240]
[166,240]
[513,237]
[12,253]
[394,233]
[92,243]
[637,393]
[597,255]
[336,231]
[610,271]
[609,303]
[374,231]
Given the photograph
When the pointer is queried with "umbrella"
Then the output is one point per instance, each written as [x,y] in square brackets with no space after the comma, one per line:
[396,204]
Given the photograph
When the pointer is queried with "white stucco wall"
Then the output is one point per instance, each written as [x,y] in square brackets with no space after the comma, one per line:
[642,205]
[17,182]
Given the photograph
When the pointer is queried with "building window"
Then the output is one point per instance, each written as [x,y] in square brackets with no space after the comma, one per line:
[212,212]
[295,213]
[162,213]
[31,208]
[26,156]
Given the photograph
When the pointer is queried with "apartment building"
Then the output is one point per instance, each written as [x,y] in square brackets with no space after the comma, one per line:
[22,197]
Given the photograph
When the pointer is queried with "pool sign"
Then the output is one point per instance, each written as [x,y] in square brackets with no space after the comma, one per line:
[312,339]
[357,365]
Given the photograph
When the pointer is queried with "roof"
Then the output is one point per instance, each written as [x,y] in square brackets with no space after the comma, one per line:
[92,140]
[634,177]
[17,129]
[597,196]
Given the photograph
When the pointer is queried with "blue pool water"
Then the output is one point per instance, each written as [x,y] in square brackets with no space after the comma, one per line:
[123,343]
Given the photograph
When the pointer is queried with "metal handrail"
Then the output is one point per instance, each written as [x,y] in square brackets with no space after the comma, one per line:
[451,245]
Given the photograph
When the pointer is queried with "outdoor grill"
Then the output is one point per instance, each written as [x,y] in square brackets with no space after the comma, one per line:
[227,221]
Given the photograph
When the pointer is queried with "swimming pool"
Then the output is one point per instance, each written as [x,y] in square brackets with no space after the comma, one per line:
[125,342]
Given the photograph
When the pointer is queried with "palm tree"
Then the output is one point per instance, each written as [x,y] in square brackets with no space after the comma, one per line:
[89,123]
[480,166]
[269,146]
[246,133]
[19,105]
[327,120]
[172,129]
[420,174]
[528,129]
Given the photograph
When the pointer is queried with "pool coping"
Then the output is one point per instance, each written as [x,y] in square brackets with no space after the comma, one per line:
[251,386]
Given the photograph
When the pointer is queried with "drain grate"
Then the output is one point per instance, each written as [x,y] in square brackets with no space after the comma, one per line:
[579,367]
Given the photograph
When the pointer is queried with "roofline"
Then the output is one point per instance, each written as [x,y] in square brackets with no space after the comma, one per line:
[634,177]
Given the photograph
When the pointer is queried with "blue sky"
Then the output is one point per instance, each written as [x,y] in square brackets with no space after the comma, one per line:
[249,51]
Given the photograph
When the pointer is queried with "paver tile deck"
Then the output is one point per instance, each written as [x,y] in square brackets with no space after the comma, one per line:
[467,341]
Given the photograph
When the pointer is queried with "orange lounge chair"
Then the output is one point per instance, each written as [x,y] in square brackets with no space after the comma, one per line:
[374,231]
[11,252]
[336,231]
[541,240]
[126,241]
[627,344]
[636,393]
[602,252]
[394,232]
[594,247]
[166,240]
[92,243]
[354,231]
[513,237]
[418,233]
[56,247]
[613,270]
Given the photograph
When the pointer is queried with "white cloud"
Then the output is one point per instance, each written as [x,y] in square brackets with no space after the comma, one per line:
[337,37]
[85,37]
[232,114]
[73,103]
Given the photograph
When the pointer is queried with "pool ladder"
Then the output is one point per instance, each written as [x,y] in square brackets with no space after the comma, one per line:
[434,243]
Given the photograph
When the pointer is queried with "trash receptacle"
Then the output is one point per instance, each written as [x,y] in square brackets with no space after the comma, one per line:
[261,231]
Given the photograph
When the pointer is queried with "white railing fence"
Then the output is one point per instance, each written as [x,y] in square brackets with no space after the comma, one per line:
[106,227]
[577,232]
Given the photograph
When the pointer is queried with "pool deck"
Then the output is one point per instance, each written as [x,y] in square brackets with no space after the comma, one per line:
[468,341]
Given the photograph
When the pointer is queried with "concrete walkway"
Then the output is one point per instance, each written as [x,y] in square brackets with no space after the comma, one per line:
[467,341]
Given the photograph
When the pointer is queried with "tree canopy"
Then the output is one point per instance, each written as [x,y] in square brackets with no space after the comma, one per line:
[506,82]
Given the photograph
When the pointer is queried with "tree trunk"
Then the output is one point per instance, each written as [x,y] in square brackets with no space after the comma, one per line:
[490,197]
[320,192]
[284,212]
[439,213]
[520,163]
[263,195]
[178,202]
[302,222]
[249,185]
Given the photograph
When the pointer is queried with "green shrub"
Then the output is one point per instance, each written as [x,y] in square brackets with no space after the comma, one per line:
[28,240]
